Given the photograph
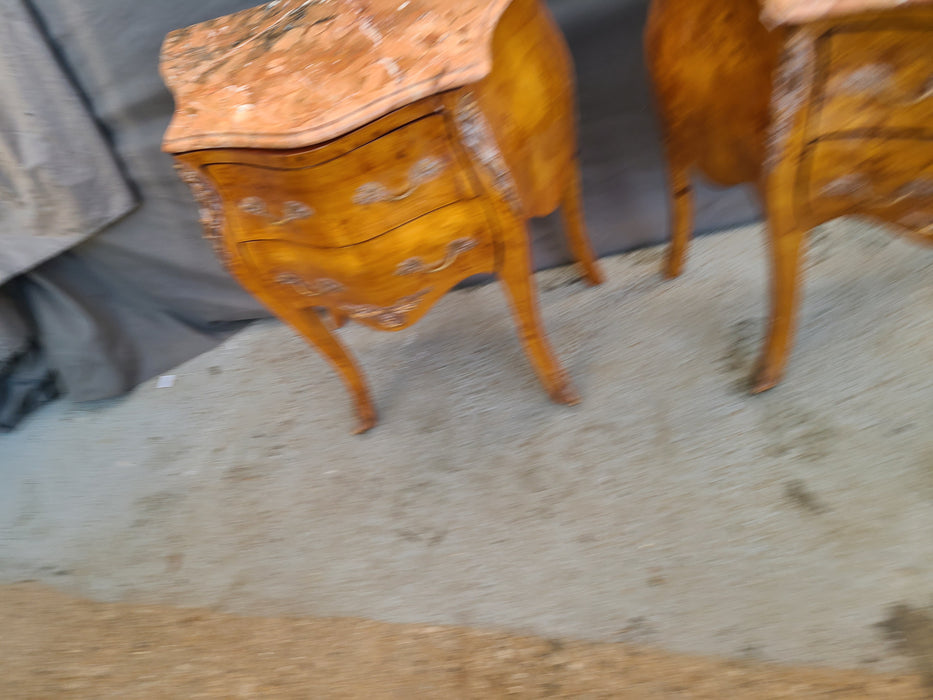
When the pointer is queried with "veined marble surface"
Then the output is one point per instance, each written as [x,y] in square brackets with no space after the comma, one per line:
[293,73]
[799,11]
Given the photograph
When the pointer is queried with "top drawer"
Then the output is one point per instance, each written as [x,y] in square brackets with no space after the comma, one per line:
[878,80]
[355,197]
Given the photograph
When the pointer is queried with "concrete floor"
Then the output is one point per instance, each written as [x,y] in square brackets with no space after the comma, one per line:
[669,509]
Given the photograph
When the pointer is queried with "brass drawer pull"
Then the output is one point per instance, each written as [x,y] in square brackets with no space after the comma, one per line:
[878,81]
[417,266]
[291,210]
[925,94]
[859,185]
[421,172]
[374,192]
[851,185]
[917,189]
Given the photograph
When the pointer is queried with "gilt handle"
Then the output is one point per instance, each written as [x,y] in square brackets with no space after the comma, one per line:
[291,211]
[923,95]
[421,172]
[417,266]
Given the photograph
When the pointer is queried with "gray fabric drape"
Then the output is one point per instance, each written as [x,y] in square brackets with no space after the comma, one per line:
[146,293]
[59,183]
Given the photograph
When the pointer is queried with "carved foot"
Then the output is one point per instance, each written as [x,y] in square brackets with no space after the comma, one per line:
[365,421]
[764,378]
[593,275]
[562,391]
[673,267]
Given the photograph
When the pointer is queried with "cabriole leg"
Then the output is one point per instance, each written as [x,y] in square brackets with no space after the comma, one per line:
[786,249]
[681,207]
[575,227]
[516,277]
[315,331]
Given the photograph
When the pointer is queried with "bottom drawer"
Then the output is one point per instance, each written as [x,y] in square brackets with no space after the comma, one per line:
[891,178]
[388,282]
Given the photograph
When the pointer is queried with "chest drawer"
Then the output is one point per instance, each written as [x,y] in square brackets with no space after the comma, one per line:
[382,281]
[878,79]
[357,196]
[891,178]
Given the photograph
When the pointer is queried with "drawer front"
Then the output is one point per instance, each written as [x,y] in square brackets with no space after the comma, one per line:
[878,80]
[387,282]
[889,178]
[360,195]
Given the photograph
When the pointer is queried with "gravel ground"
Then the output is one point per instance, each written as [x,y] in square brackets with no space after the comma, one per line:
[55,646]
[669,510]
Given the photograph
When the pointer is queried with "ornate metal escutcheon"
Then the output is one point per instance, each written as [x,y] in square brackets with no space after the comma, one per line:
[389,317]
[309,288]
[211,209]
[479,140]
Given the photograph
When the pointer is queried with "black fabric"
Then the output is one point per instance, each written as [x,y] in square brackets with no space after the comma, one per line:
[26,380]
[146,293]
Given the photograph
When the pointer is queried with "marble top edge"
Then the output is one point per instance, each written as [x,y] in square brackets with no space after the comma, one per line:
[293,73]
[314,135]
[782,12]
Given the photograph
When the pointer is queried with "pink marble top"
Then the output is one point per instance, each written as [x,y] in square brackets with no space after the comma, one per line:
[295,73]
[800,11]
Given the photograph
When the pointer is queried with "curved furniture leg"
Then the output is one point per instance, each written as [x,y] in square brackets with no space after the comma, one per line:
[681,207]
[786,248]
[515,273]
[575,228]
[315,331]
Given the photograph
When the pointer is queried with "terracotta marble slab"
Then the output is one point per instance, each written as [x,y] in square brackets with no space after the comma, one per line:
[294,73]
[800,11]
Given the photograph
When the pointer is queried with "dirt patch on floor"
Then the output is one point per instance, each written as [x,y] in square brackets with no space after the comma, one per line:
[55,646]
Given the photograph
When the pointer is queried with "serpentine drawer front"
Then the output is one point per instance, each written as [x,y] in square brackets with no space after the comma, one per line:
[359,162]
[356,196]
[826,106]
[422,259]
